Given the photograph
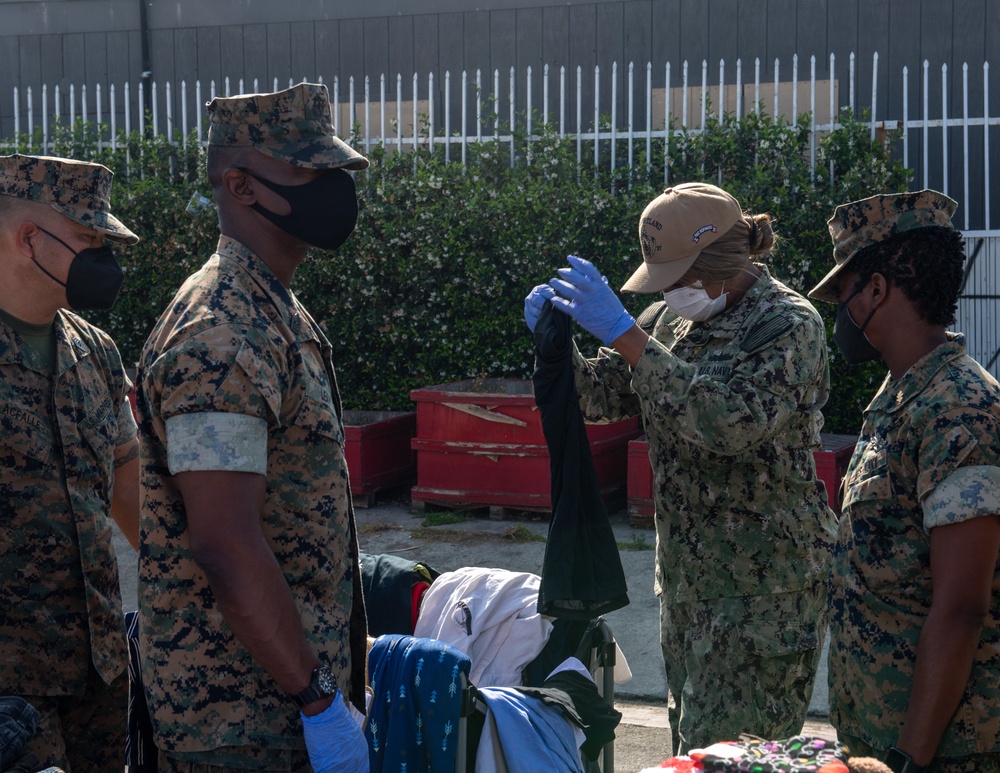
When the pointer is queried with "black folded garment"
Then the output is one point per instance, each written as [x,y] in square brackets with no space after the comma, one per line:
[582,574]
[579,699]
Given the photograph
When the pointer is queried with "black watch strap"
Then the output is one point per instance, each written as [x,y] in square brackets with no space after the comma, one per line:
[899,762]
[322,685]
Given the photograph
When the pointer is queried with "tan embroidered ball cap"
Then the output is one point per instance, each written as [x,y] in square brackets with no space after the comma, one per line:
[673,230]
[78,189]
[294,125]
[860,224]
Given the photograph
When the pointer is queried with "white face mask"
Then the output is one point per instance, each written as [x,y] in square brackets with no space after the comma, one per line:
[694,303]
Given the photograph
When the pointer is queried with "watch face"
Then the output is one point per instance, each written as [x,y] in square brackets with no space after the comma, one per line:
[897,761]
[326,681]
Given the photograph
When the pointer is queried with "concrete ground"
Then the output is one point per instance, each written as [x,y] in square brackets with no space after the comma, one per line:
[435,538]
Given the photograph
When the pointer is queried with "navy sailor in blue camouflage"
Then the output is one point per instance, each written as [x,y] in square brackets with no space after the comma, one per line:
[729,374]
[915,618]
[252,619]
[69,461]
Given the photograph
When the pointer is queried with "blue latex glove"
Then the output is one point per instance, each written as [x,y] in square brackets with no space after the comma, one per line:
[534,302]
[335,741]
[584,294]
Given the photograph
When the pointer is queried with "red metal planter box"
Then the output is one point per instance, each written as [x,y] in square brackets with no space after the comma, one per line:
[640,482]
[479,442]
[831,464]
[377,448]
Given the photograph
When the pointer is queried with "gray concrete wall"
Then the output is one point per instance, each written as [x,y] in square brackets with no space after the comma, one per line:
[77,42]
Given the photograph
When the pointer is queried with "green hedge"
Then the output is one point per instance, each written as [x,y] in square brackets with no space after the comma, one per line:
[430,287]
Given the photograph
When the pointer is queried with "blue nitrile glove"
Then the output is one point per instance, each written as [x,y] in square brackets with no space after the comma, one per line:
[533,303]
[584,294]
[335,742]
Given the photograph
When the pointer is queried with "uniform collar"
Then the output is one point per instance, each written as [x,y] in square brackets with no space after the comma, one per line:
[283,299]
[895,394]
[70,346]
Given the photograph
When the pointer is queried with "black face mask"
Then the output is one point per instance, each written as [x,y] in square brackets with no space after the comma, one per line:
[851,339]
[324,211]
[94,279]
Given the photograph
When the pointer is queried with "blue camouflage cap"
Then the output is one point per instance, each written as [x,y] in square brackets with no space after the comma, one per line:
[294,125]
[860,224]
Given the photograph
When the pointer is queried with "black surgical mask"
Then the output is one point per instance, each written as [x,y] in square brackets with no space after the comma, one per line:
[324,211]
[94,279]
[851,339]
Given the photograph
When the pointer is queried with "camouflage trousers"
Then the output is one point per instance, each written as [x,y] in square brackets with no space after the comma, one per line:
[741,665]
[974,763]
[236,758]
[83,733]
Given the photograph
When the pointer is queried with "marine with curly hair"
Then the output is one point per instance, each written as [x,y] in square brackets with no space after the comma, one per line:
[915,599]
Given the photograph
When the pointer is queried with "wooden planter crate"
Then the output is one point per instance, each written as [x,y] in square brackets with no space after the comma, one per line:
[479,443]
[831,464]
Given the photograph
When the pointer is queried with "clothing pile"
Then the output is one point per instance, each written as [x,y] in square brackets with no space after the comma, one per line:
[799,754]
[480,629]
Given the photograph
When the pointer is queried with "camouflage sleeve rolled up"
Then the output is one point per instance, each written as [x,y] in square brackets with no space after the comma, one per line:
[969,492]
[959,476]
[127,428]
[604,387]
[213,441]
[733,405]
[236,371]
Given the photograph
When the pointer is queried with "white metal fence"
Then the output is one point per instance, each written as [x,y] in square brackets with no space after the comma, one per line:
[470,109]
[473,108]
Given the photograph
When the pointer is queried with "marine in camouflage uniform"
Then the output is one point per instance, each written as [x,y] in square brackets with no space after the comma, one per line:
[928,457]
[69,464]
[731,409]
[237,377]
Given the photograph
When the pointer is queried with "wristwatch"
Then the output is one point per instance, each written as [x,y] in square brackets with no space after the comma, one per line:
[900,762]
[322,685]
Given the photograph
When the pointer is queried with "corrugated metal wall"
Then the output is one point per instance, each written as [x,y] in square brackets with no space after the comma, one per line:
[978,314]
[81,42]
[86,42]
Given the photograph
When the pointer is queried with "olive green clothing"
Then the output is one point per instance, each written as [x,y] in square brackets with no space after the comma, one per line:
[741,665]
[58,434]
[236,349]
[928,455]
[731,409]
[83,733]
[41,338]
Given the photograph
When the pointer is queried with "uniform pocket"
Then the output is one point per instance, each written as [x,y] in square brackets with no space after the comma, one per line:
[318,417]
[27,446]
[781,673]
[770,640]
[99,430]
[874,487]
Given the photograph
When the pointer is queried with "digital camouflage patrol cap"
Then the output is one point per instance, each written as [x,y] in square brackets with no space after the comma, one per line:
[860,224]
[673,230]
[294,125]
[77,189]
